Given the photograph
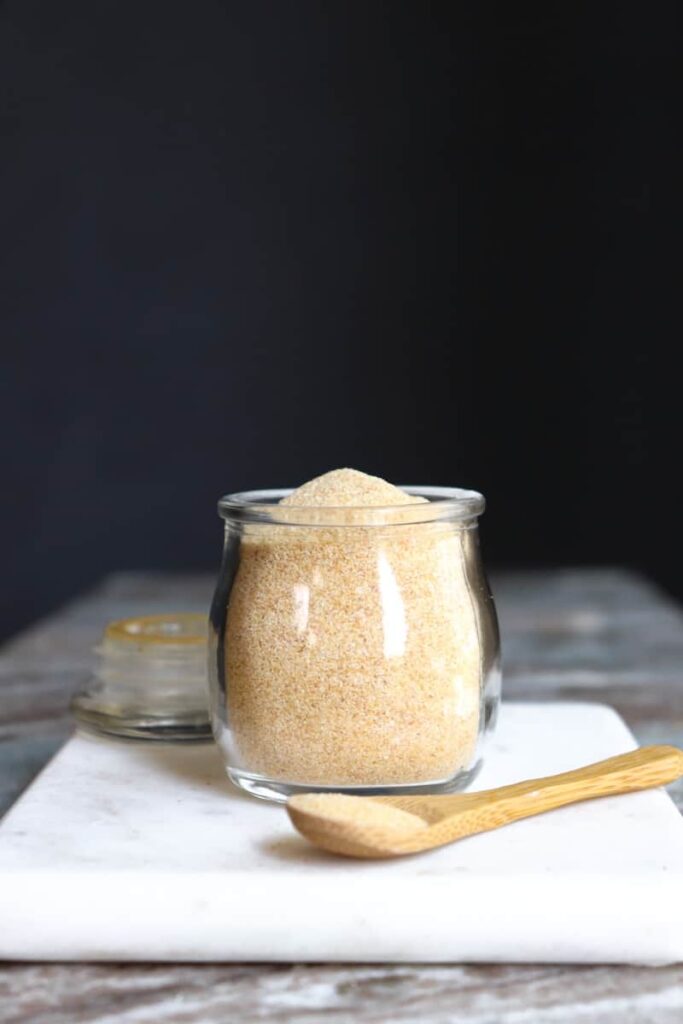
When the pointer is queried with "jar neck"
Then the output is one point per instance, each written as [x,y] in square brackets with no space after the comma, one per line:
[432,505]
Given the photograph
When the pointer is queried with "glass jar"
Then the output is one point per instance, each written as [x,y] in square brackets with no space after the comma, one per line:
[150,680]
[352,649]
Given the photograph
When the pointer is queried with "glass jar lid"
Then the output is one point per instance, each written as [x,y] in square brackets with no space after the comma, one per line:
[150,679]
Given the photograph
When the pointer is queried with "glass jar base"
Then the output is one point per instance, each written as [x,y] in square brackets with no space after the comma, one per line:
[279,792]
[136,725]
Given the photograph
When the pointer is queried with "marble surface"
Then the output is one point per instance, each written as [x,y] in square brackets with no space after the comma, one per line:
[123,851]
[604,635]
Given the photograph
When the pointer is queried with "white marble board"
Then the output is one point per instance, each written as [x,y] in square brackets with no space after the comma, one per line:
[123,851]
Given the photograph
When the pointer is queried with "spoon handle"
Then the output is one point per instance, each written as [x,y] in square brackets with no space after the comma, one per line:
[626,773]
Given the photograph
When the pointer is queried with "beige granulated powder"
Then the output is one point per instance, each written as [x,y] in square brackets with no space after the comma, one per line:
[352,652]
[347,487]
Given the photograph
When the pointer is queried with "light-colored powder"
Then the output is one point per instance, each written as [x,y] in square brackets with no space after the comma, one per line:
[352,652]
[348,487]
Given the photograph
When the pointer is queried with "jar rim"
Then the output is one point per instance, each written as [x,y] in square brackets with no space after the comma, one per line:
[443,503]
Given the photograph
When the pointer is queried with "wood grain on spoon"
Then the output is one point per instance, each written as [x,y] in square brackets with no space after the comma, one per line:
[392,826]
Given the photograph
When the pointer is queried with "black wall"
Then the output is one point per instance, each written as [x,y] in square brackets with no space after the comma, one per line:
[243,243]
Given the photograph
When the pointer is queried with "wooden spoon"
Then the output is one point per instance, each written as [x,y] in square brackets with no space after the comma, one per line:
[391,826]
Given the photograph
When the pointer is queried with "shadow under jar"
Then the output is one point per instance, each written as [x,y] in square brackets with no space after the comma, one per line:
[352,649]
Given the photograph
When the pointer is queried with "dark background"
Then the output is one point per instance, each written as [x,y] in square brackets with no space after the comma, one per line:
[243,243]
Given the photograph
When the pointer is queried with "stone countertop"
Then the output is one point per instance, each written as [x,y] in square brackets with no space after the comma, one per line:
[598,634]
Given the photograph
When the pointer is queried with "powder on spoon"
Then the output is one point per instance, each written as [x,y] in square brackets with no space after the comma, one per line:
[352,654]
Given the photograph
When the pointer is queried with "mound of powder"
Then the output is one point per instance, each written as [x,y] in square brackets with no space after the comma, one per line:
[348,487]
